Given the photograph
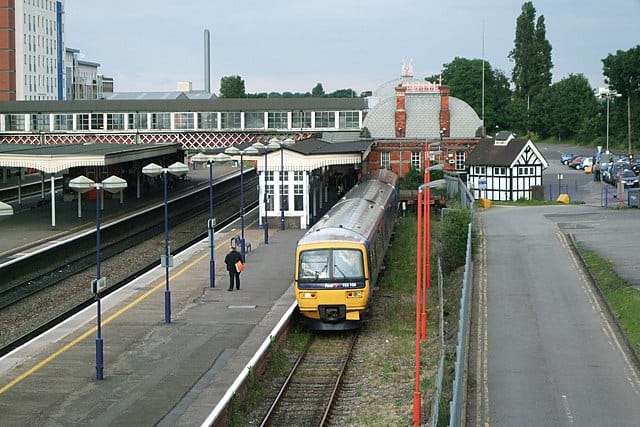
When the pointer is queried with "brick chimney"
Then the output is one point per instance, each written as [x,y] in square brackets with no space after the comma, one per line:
[445,114]
[401,113]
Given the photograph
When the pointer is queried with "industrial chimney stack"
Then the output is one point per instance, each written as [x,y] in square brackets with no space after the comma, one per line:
[207,63]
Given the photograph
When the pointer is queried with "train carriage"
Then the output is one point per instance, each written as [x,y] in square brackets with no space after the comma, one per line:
[339,259]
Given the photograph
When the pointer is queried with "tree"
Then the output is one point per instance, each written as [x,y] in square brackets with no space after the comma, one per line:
[531,55]
[464,77]
[232,87]
[564,108]
[317,91]
[622,72]
[343,93]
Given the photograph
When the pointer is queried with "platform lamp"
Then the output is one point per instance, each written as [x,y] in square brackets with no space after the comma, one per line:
[82,184]
[417,396]
[272,145]
[166,260]
[234,151]
[211,224]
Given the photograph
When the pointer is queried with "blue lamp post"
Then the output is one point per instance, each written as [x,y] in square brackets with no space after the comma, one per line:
[234,151]
[166,260]
[112,184]
[211,224]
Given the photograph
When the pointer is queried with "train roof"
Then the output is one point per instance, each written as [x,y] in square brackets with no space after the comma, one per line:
[350,220]
[354,218]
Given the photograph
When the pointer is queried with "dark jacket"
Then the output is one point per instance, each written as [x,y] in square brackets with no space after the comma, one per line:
[231,259]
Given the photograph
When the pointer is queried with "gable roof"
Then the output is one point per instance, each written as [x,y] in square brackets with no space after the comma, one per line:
[486,152]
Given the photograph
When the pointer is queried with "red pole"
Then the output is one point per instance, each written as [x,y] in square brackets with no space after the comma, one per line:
[425,239]
[417,399]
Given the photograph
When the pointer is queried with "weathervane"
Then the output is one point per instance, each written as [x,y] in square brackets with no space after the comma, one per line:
[407,69]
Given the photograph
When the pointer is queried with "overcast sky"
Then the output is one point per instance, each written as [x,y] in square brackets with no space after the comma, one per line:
[291,45]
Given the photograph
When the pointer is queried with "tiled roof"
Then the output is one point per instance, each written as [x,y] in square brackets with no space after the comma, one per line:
[487,153]
[423,117]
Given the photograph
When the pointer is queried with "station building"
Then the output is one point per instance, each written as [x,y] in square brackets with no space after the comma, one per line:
[335,140]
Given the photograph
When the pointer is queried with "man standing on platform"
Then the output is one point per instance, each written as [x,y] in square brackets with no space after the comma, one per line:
[231,260]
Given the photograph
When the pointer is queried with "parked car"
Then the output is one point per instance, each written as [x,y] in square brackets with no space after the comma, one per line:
[613,171]
[566,157]
[573,163]
[628,178]
[605,170]
[587,162]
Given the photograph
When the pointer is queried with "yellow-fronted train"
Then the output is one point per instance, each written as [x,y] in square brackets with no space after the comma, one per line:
[338,260]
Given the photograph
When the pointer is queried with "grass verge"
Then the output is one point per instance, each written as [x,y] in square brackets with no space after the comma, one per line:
[623,299]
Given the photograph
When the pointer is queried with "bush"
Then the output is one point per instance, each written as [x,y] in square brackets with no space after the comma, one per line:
[453,237]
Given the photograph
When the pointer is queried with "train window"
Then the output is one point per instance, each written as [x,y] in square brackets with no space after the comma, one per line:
[347,263]
[331,264]
[314,265]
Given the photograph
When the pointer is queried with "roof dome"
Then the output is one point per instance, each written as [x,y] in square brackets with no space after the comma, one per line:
[423,117]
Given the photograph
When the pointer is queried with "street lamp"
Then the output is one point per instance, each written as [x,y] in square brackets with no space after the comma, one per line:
[272,145]
[82,184]
[608,95]
[211,224]
[234,151]
[287,142]
[166,260]
[417,397]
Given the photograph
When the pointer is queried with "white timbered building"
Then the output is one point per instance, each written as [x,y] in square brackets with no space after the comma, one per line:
[505,168]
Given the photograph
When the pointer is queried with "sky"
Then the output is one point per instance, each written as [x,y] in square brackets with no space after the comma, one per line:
[291,45]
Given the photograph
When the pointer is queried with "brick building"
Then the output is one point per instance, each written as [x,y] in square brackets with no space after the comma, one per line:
[408,114]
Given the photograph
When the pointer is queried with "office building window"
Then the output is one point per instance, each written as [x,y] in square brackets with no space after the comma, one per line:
[115,121]
[415,160]
[230,120]
[269,195]
[277,120]
[160,120]
[137,121]
[63,122]
[325,119]
[254,120]
[301,119]
[207,120]
[460,160]
[284,197]
[184,121]
[385,160]
[349,119]
[40,122]
[298,197]
[97,121]
[82,122]
[14,122]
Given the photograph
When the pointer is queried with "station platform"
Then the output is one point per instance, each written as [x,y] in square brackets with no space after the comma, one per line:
[155,373]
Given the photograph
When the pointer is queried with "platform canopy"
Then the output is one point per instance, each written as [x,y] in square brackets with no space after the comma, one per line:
[56,158]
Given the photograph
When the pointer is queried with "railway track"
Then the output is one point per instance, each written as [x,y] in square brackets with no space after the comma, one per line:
[129,252]
[313,386]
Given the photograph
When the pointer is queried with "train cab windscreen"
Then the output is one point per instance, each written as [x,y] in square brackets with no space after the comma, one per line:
[335,268]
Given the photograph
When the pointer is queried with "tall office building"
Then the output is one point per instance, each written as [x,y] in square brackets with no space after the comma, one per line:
[31,50]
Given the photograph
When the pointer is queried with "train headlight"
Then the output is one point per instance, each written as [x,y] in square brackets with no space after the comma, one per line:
[307,295]
[354,294]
